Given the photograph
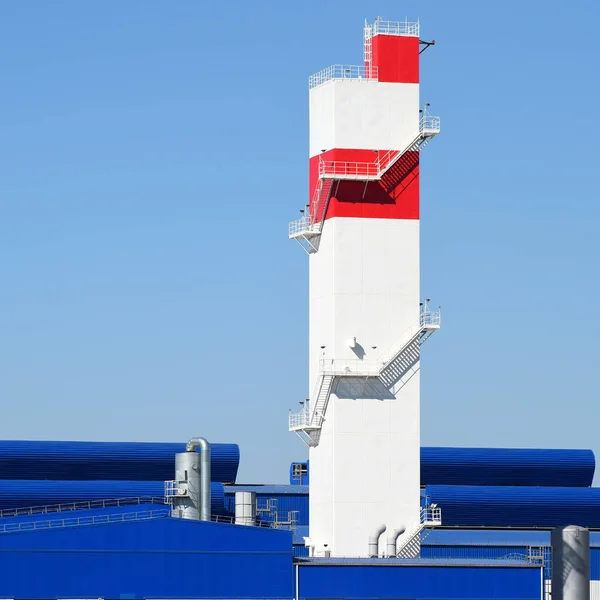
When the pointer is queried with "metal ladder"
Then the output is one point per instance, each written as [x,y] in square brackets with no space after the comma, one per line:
[324,386]
[321,199]
[368,49]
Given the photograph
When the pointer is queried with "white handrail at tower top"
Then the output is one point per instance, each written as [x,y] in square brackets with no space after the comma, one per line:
[400,28]
[352,72]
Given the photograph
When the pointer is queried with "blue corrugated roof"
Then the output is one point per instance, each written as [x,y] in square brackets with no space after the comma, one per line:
[487,506]
[268,489]
[487,537]
[129,461]
[502,466]
[20,494]
[495,537]
[507,466]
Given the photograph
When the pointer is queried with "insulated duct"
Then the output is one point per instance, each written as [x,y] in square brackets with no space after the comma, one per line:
[391,541]
[374,541]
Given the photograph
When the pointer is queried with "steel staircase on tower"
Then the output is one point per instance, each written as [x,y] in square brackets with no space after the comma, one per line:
[308,422]
[393,369]
[410,542]
[308,228]
[429,127]
[403,364]
[322,398]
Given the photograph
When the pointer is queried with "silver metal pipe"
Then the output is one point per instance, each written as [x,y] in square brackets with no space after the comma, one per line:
[186,502]
[391,541]
[204,445]
[570,563]
[374,541]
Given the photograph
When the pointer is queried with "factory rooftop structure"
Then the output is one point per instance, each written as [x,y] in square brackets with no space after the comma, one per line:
[370,514]
[497,534]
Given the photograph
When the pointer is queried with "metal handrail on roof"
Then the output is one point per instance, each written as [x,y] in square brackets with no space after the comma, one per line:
[397,28]
[70,506]
[348,72]
[85,520]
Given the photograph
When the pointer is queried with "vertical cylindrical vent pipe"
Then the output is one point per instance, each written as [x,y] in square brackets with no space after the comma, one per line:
[570,563]
[187,475]
[204,445]
[374,541]
[392,540]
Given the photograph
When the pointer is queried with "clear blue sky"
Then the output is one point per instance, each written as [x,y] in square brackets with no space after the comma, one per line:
[152,153]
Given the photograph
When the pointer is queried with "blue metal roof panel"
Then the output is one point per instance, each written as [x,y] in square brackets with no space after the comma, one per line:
[279,490]
[21,494]
[507,467]
[500,466]
[494,506]
[130,461]
[486,537]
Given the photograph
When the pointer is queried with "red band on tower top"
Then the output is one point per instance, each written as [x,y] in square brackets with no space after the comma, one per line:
[396,57]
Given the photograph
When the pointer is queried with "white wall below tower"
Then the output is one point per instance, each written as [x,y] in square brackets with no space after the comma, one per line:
[362,471]
[364,283]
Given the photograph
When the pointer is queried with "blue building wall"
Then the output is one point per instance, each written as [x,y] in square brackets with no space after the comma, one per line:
[483,506]
[485,548]
[595,564]
[435,551]
[304,477]
[157,558]
[355,580]
[130,461]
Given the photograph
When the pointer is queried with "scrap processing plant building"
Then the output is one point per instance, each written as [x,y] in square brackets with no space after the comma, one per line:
[361,231]
[171,520]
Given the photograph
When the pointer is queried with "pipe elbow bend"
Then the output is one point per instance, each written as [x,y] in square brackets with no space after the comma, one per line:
[397,533]
[197,442]
[377,533]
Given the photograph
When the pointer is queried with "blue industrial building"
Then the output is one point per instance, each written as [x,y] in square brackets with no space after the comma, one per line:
[114,537]
[475,579]
[147,557]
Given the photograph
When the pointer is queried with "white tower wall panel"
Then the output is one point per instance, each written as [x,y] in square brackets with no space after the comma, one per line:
[383,116]
[365,470]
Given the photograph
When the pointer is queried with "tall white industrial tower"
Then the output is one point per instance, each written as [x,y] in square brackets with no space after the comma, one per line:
[361,231]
